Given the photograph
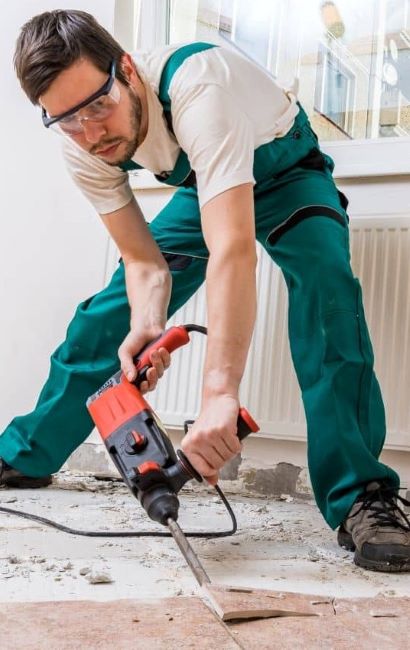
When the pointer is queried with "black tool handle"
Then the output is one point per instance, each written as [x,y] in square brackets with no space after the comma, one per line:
[246,423]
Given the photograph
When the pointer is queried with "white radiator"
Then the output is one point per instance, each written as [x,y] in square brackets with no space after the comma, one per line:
[381,259]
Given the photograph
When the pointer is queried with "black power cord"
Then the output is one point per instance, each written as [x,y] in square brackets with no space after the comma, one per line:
[126,533]
[196,328]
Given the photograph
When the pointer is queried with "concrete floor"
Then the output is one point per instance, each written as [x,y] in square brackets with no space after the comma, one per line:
[281,544]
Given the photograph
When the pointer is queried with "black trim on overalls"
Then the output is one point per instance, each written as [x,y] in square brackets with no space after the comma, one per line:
[190,180]
[302,214]
[177,262]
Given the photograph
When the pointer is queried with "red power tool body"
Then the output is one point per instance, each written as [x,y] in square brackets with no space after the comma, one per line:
[136,439]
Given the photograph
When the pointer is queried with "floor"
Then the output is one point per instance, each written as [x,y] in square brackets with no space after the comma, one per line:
[281,545]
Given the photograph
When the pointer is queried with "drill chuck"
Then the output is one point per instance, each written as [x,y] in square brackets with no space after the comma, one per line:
[160,504]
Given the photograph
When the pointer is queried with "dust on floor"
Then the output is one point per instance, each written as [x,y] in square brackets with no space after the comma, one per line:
[281,544]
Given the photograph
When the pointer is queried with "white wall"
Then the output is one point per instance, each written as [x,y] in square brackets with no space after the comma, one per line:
[52,248]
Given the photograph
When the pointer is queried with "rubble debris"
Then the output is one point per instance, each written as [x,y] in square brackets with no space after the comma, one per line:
[99,577]
[84,570]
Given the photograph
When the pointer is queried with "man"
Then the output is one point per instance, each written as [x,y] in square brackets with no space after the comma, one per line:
[248,166]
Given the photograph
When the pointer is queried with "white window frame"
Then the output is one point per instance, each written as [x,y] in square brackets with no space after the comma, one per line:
[326,54]
[152,24]
[354,158]
[126,14]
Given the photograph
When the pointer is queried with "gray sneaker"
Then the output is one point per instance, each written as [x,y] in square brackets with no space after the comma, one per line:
[378,530]
[10,477]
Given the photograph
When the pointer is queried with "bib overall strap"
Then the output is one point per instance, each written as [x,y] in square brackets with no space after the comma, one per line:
[130,165]
[182,174]
[174,62]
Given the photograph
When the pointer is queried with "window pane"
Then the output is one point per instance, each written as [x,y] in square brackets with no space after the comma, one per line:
[352,58]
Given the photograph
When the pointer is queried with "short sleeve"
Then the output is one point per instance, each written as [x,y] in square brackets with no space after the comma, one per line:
[217,137]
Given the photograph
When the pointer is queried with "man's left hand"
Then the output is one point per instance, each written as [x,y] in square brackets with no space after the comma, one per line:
[212,439]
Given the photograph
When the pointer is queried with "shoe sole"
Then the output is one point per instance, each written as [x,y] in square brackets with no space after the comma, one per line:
[396,564]
[27,482]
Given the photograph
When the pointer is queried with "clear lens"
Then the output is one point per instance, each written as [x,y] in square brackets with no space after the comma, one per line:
[65,129]
[97,111]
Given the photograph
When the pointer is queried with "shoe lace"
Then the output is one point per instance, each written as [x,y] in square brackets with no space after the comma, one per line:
[383,502]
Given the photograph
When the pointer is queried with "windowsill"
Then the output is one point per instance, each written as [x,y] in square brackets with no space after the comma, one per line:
[370,158]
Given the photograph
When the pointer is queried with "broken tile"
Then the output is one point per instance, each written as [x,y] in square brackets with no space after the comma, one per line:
[183,623]
[232,603]
[377,607]
[365,623]
[323,633]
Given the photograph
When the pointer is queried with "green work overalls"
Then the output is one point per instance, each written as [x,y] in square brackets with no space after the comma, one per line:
[302,224]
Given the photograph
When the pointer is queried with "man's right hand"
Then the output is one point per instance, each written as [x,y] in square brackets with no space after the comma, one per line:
[133,343]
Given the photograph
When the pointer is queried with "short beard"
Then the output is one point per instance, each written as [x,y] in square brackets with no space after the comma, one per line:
[135,124]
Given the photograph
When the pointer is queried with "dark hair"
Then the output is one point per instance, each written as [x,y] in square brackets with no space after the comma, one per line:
[52,41]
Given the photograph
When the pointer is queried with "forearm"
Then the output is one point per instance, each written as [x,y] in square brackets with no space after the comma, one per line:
[148,290]
[148,281]
[231,299]
[228,225]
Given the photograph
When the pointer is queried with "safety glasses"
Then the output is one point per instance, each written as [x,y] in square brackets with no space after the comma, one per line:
[96,108]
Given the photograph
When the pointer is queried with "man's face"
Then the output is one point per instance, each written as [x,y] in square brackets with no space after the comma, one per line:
[115,139]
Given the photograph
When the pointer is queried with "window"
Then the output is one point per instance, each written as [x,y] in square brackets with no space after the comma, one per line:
[352,60]
[335,91]
[254,32]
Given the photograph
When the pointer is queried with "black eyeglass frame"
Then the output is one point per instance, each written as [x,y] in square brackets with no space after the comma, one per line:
[104,90]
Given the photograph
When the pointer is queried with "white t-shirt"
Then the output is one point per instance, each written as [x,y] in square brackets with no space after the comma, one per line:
[223,108]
